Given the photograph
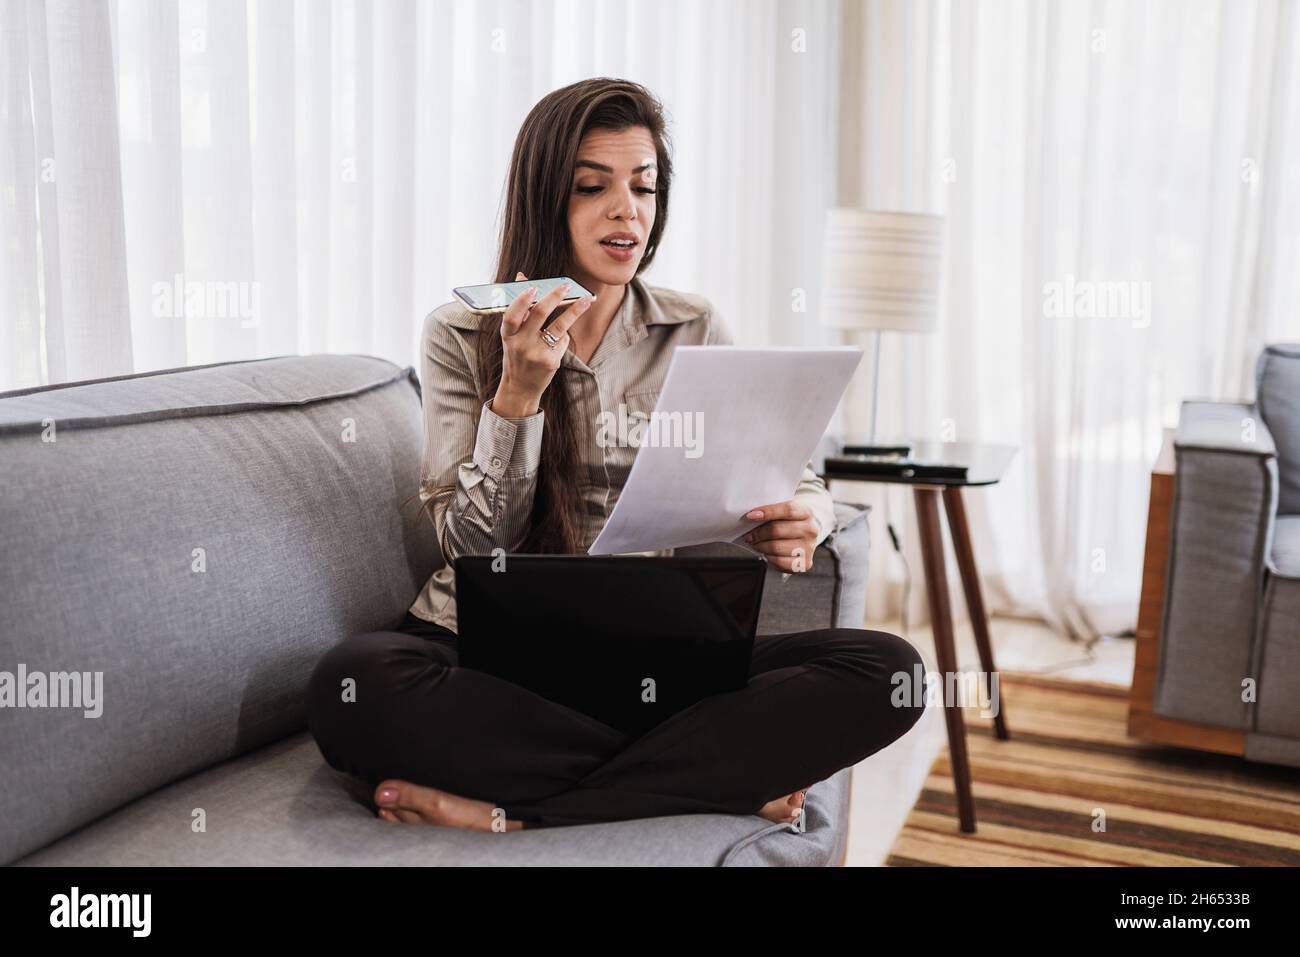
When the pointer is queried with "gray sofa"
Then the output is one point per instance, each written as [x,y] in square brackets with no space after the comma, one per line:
[1232,601]
[199,537]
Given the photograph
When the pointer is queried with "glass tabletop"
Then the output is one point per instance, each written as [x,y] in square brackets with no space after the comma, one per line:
[985,462]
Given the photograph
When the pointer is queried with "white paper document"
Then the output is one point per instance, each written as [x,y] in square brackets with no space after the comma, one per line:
[732,430]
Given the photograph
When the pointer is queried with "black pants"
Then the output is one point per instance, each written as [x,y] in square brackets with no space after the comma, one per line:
[816,702]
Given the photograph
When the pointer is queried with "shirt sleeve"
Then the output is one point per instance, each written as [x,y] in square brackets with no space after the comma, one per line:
[811,490]
[489,461]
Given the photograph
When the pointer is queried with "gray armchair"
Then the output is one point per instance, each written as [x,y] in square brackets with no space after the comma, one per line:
[1232,598]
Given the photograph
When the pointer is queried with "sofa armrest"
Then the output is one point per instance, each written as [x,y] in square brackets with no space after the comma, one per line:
[848,549]
[831,594]
[1225,501]
[1223,427]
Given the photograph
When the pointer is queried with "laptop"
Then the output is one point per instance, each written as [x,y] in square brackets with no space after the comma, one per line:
[629,641]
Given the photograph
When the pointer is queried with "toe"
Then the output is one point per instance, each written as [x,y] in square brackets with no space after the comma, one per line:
[420,801]
[404,802]
[388,793]
[411,803]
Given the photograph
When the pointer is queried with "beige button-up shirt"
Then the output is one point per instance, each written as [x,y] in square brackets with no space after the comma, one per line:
[493,461]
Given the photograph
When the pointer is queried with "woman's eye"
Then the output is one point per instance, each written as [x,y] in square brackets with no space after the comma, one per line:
[588,190]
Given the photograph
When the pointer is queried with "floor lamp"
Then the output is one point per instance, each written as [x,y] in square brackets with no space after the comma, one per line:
[881,273]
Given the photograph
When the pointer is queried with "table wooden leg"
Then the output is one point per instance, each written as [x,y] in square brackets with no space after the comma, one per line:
[936,589]
[970,581]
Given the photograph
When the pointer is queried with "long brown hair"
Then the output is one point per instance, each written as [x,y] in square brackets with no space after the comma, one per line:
[535,240]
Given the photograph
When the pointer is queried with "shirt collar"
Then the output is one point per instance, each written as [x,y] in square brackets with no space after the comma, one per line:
[660,307]
[643,306]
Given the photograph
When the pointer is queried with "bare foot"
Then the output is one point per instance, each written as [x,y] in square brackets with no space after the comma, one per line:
[782,810]
[406,803]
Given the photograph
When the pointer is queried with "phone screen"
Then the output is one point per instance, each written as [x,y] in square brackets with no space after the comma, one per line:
[498,295]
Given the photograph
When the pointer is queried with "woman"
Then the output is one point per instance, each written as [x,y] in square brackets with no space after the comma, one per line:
[511,461]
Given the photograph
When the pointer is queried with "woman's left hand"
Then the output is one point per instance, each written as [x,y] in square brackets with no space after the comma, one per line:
[788,536]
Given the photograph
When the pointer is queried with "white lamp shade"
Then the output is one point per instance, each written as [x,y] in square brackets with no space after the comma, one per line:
[882,270]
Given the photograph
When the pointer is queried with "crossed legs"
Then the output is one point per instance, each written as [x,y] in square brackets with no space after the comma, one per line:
[467,744]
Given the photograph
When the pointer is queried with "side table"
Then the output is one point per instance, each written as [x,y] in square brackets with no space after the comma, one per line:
[985,465]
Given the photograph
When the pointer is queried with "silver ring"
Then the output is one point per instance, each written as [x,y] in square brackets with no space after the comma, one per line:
[549,339]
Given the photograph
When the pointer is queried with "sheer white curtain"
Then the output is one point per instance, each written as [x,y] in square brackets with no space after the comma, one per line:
[1154,142]
[322,173]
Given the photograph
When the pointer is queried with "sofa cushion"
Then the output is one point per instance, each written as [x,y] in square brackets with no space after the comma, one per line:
[830,594]
[1279,673]
[199,537]
[1277,394]
[282,805]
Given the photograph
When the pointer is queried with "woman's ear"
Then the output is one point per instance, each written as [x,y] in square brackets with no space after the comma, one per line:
[519,276]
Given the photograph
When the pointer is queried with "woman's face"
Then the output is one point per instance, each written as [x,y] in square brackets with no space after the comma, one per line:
[612,198]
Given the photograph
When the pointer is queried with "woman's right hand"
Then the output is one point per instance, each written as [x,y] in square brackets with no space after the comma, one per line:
[527,363]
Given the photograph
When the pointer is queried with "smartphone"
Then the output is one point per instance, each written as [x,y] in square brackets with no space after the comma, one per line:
[495,297]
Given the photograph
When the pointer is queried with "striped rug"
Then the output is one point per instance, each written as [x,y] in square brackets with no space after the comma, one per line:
[1036,794]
